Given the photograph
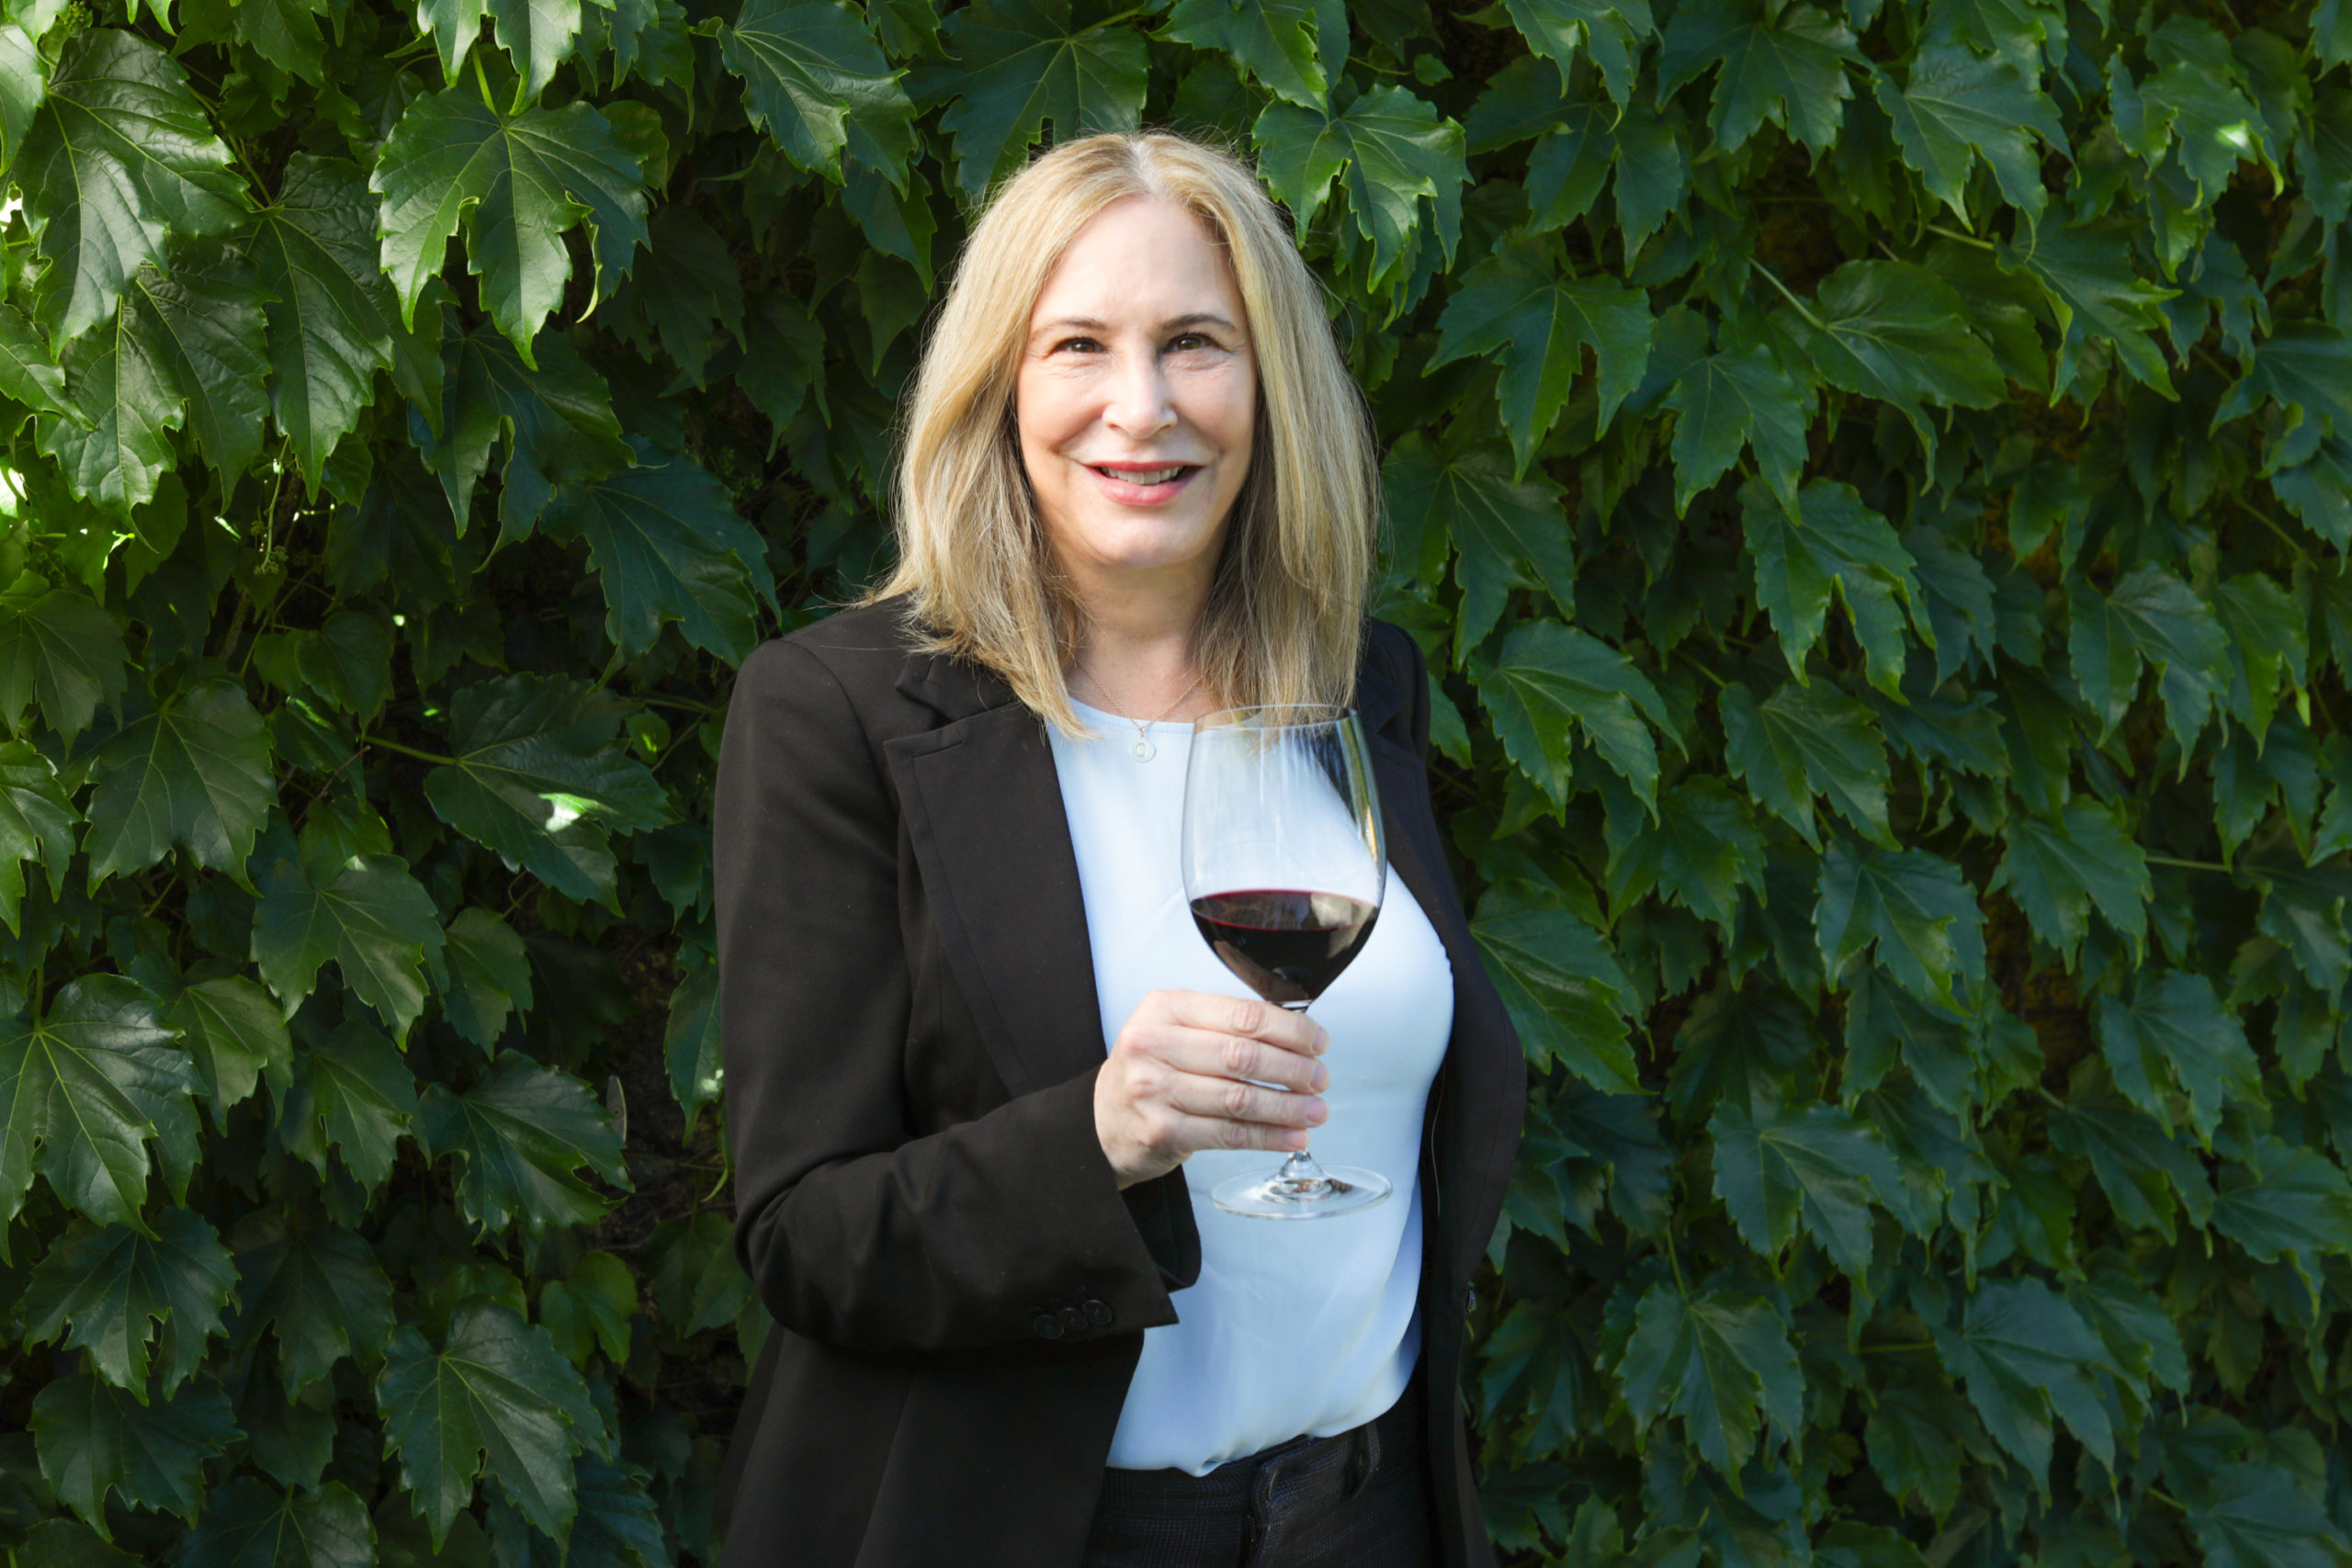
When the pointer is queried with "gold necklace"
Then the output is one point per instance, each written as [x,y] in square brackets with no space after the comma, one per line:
[1142,751]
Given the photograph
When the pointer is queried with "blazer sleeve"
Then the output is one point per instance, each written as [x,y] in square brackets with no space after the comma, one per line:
[855,1232]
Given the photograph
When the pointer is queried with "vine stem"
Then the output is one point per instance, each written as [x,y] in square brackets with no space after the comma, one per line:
[368,741]
[2188,864]
[1810,319]
[1963,239]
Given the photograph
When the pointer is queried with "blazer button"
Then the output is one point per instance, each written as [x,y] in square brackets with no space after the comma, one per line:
[1097,1312]
[1047,1326]
[1072,1320]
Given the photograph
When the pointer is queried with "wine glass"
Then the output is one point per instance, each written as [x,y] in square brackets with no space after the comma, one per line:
[1284,864]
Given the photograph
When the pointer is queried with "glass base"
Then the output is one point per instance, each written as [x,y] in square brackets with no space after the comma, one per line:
[1302,1190]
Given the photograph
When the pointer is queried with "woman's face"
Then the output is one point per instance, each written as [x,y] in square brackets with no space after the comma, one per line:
[1136,398]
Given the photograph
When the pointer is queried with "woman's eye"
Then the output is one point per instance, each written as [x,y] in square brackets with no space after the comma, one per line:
[1076,346]
[1186,342]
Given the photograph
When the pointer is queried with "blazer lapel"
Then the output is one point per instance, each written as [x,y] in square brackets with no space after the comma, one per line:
[983,808]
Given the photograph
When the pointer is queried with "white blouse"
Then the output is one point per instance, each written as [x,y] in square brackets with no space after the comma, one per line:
[1294,1326]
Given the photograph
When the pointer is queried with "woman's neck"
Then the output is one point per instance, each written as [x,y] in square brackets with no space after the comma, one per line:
[1136,657]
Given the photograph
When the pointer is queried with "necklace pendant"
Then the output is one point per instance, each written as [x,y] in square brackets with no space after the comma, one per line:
[1142,751]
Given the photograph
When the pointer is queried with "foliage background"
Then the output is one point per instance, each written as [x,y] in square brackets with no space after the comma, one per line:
[1873,483]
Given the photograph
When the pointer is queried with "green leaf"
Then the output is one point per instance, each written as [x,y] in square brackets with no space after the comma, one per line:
[27,373]
[522,1134]
[2301,370]
[285,33]
[1787,65]
[1719,1362]
[1955,107]
[2025,1359]
[2059,870]
[331,312]
[1803,741]
[616,1528]
[517,185]
[250,1525]
[96,1438]
[2194,97]
[1508,532]
[539,36]
[318,1291]
[495,1392]
[2254,1515]
[59,648]
[120,152]
[1899,334]
[1743,1045]
[1274,39]
[351,1093]
[1912,906]
[1390,150]
[2268,642]
[203,321]
[553,412]
[1565,995]
[814,80]
[1700,847]
[2151,615]
[1514,306]
[1631,145]
[2170,1035]
[1610,32]
[689,1042]
[1552,684]
[591,1308]
[1817,1164]
[1739,399]
[541,776]
[2086,276]
[1025,62]
[195,773]
[235,1033]
[667,546]
[372,919]
[2282,1201]
[490,975]
[697,1284]
[37,824]
[119,1290]
[1922,1436]
[1830,542]
[85,1085]
[453,25]
[2140,1165]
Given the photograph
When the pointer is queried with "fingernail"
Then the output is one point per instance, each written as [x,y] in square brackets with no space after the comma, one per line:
[1316,1112]
[1293,1140]
[1322,1041]
[1322,1079]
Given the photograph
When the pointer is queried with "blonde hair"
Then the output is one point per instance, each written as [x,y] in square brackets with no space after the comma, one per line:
[1285,611]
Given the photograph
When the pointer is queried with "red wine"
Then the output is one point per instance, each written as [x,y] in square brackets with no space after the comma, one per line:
[1285,945]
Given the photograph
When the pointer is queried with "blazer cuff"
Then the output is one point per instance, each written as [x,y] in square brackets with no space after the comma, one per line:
[1162,1210]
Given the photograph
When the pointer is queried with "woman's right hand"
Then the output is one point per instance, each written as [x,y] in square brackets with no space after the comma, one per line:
[1181,1076]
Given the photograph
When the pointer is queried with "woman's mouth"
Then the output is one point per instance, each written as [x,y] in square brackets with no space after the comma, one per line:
[1160,476]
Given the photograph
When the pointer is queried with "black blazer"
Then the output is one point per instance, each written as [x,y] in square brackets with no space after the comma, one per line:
[910,1037]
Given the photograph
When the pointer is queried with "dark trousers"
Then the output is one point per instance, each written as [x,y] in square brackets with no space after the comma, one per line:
[1357,1499]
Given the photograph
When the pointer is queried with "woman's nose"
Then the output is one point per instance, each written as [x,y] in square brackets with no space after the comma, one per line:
[1140,404]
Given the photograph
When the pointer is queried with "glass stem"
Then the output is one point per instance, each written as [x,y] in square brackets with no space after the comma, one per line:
[1300,1166]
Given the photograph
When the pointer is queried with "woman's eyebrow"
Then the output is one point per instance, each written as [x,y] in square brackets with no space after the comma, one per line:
[1174,323]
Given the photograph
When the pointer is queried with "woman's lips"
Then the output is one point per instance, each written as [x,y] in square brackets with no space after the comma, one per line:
[1135,485]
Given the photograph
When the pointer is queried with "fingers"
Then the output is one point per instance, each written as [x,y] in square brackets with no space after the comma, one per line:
[1191,1133]
[1230,1099]
[1242,1016]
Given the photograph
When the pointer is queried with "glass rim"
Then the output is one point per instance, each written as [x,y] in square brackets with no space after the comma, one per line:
[1230,719]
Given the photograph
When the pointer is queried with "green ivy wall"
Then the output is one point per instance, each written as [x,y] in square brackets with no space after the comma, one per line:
[1872,481]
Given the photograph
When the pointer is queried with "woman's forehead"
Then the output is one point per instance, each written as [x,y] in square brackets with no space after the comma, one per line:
[1141,260]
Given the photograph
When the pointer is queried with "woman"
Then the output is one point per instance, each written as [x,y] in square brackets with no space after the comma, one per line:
[1138,486]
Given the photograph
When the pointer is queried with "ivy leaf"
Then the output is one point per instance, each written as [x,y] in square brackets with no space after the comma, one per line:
[1391,152]
[553,412]
[2254,1515]
[119,1290]
[1565,995]
[2172,1035]
[251,1525]
[119,152]
[2268,642]
[1899,334]
[1552,683]
[537,36]
[1274,39]
[351,1093]
[1719,1362]
[1830,542]
[1784,65]
[1743,1045]
[1955,107]
[331,312]
[517,185]
[27,373]
[203,321]
[1027,63]
[37,824]
[195,773]
[616,1528]
[59,649]
[321,1293]
[2301,370]
[667,546]
[2283,1200]
[1912,906]
[2138,1163]
[689,1042]
[1817,1163]
[495,1392]
[522,1134]
[490,975]
[815,81]
[1738,399]
[540,776]
[1700,848]
[1514,307]
[86,1084]
[235,1034]
[696,1282]
[2086,276]
[371,919]
[2026,1357]
[95,1439]
[1610,32]
[2058,871]
[1808,740]
[1631,145]
[285,33]
[2152,616]
[1501,526]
